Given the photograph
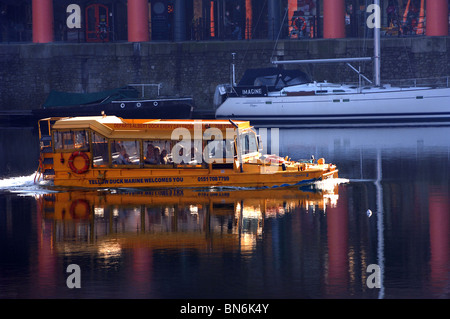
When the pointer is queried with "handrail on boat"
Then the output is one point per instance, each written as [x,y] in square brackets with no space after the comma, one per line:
[143,85]
[443,81]
[49,121]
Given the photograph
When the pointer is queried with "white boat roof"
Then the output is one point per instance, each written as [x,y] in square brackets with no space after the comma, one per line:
[101,119]
[116,127]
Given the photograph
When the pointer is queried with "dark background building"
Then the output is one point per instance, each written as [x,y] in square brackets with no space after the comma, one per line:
[186,20]
[187,45]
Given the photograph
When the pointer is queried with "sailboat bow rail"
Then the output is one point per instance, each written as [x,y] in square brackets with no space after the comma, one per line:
[337,60]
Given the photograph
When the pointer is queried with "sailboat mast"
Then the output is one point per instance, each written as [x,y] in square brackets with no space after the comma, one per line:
[377,45]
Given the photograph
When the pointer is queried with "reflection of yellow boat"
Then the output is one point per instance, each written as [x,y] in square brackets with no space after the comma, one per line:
[81,204]
[110,152]
[165,218]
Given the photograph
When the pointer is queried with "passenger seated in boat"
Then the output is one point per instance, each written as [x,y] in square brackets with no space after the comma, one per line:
[150,155]
[157,156]
[153,155]
[123,158]
[165,159]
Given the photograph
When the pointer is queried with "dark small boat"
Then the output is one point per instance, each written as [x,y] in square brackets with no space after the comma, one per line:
[122,102]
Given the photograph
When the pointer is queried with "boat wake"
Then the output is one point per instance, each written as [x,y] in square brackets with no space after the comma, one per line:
[330,183]
[24,185]
[27,186]
[327,185]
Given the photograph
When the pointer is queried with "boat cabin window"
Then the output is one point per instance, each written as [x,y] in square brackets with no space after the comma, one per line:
[157,152]
[187,153]
[249,142]
[70,140]
[100,157]
[125,152]
[221,151]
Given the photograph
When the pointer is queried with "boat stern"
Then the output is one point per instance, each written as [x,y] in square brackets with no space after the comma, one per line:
[221,94]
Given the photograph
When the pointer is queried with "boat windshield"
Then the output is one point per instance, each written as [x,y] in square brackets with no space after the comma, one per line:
[248,142]
[273,78]
[277,82]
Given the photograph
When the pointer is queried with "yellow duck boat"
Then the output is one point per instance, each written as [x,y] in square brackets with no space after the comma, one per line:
[111,152]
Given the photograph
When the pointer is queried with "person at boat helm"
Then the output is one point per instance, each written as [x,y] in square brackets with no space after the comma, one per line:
[123,158]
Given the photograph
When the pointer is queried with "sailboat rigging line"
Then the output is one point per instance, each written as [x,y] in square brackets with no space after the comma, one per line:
[253,30]
[359,73]
[279,32]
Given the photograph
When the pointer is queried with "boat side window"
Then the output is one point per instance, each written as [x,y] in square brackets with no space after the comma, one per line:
[99,150]
[70,140]
[158,152]
[187,153]
[221,151]
[126,152]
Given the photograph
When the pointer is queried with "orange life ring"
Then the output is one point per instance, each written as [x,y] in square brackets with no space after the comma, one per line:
[86,162]
[303,24]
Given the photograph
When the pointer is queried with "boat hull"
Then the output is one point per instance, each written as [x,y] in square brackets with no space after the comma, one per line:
[181,108]
[380,108]
[199,178]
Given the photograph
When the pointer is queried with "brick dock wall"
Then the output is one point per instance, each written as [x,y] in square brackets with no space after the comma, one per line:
[29,71]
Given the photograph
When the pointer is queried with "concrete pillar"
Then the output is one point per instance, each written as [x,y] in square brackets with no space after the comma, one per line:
[179,21]
[138,21]
[333,19]
[437,17]
[42,21]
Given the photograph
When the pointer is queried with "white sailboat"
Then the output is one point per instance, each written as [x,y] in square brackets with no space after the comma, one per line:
[286,100]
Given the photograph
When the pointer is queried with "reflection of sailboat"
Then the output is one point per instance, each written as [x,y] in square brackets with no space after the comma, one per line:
[174,218]
[380,225]
[393,137]
[351,146]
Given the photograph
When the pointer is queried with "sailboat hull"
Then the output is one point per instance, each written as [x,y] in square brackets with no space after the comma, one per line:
[405,106]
